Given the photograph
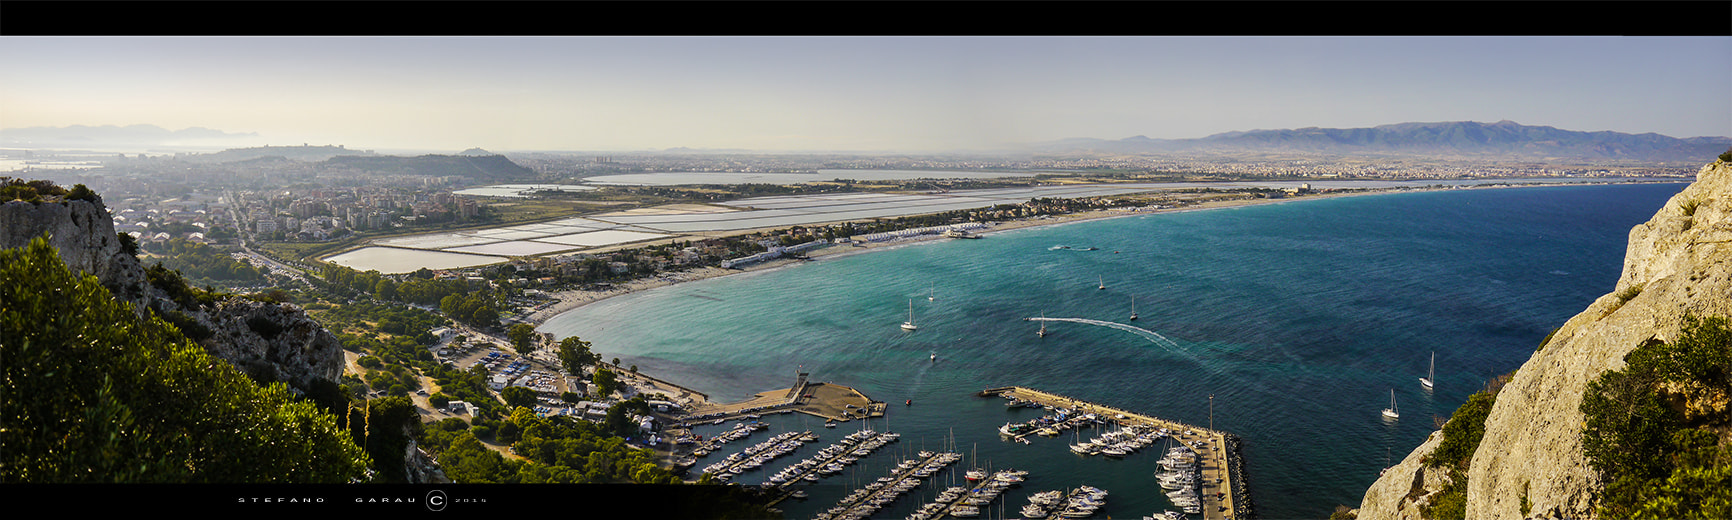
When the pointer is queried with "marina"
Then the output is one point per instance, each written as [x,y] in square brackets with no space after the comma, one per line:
[832,459]
[1221,492]
[906,476]
[964,502]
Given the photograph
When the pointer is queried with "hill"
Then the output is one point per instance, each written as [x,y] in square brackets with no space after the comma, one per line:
[490,168]
[1500,140]
[298,153]
[117,373]
[109,135]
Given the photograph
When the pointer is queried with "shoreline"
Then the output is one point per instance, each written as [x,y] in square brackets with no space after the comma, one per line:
[574,299]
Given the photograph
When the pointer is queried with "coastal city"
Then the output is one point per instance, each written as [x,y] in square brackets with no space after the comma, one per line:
[780,276]
[474,270]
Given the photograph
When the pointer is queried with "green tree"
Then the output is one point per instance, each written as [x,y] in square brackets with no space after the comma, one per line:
[522,337]
[606,383]
[518,397]
[93,393]
[1649,427]
[484,317]
[574,355]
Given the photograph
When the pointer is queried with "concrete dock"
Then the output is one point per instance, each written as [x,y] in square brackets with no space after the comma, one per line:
[1217,456]
[826,400]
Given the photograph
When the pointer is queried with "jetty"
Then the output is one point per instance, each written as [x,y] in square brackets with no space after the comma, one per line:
[1221,467]
[907,475]
[830,401]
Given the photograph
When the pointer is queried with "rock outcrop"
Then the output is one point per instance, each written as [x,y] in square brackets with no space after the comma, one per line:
[1679,263]
[84,234]
[1405,488]
[269,341]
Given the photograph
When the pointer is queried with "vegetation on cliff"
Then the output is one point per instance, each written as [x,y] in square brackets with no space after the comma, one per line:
[1657,430]
[94,393]
[1461,437]
[39,191]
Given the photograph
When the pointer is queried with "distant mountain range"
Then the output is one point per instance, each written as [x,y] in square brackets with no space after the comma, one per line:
[1503,139]
[109,135]
[474,162]
[298,153]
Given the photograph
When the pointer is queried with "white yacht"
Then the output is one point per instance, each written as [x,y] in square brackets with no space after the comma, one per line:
[1429,373]
[909,325]
[1391,412]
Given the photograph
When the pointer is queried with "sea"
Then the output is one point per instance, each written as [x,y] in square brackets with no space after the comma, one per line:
[1291,325]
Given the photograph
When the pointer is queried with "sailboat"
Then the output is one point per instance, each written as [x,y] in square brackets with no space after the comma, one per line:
[931,293]
[1133,308]
[1103,281]
[909,325]
[1042,332]
[1391,412]
[1430,372]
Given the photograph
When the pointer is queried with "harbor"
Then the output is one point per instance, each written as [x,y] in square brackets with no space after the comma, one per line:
[1222,494]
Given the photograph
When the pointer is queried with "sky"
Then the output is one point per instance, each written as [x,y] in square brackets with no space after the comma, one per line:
[887,93]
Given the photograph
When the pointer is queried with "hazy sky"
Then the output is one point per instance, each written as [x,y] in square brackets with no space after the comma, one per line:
[850,93]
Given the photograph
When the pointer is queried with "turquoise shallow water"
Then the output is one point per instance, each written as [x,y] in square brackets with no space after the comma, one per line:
[1299,318]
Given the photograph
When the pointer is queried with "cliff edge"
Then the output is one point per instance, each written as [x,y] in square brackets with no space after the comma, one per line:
[1530,461]
[268,341]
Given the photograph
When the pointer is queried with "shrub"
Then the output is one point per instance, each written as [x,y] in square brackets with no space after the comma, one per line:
[1648,428]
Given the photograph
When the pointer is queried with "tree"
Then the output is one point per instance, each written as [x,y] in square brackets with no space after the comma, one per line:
[605,382]
[574,355]
[484,317]
[522,336]
[518,397]
[94,393]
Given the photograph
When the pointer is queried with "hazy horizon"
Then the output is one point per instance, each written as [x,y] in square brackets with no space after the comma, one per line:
[849,94]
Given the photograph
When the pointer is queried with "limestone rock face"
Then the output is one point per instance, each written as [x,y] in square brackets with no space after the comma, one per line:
[274,342]
[83,232]
[1406,487]
[1681,260]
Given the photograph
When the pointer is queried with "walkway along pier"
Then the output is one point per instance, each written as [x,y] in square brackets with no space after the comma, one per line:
[1224,495]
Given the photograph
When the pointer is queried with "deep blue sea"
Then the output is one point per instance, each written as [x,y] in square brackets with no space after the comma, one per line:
[1299,318]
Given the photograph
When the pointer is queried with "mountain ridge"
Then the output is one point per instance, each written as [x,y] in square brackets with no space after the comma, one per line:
[1502,139]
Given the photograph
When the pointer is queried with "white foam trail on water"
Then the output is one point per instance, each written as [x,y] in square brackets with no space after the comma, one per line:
[1150,335]
[1158,339]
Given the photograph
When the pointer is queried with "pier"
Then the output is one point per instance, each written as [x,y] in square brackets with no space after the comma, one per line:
[1222,495]
[905,477]
[829,401]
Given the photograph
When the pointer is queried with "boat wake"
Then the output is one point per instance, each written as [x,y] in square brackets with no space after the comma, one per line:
[1174,347]
[1152,336]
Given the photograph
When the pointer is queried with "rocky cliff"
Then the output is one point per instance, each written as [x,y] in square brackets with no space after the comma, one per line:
[1678,263]
[269,341]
